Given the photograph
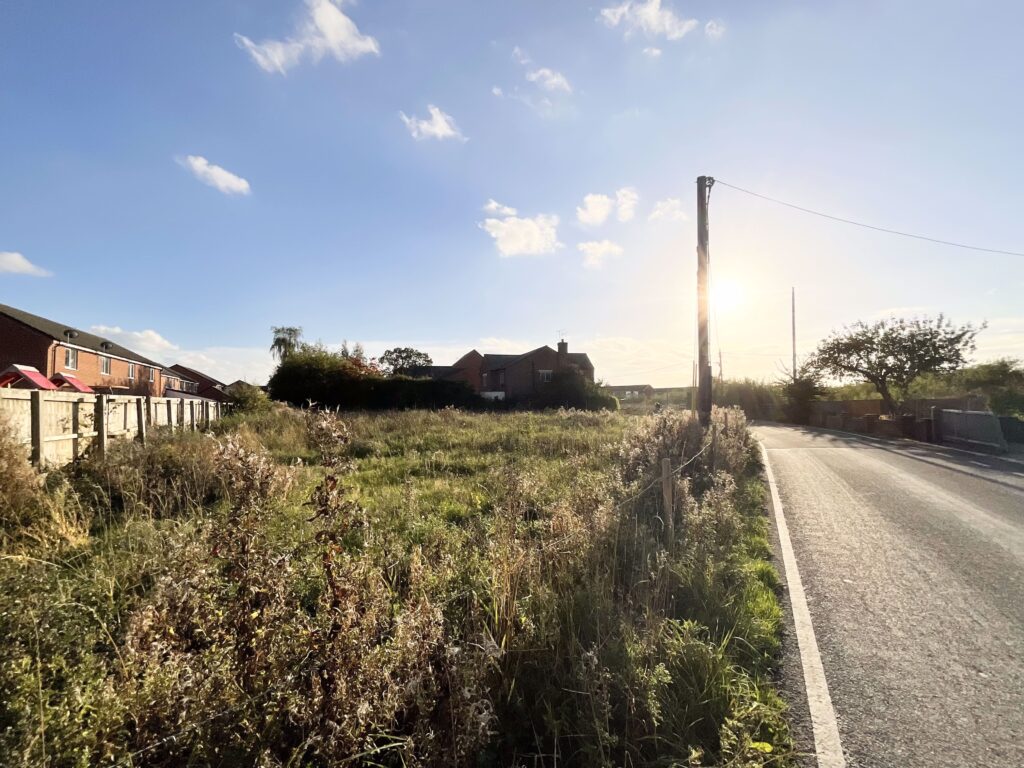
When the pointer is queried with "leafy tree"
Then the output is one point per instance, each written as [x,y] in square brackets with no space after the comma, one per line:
[799,393]
[286,341]
[893,353]
[404,361]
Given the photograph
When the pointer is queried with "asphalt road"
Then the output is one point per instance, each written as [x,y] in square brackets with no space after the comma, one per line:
[912,559]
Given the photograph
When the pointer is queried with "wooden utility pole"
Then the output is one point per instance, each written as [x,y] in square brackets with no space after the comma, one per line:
[793,314]
[703,336]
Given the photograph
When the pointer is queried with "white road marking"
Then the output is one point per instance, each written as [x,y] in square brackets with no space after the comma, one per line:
[827,747]
[979,464]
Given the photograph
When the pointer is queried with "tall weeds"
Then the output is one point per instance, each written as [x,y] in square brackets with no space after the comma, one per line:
[424,589]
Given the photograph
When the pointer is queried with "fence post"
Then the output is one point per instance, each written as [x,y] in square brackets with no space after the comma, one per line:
[666,502]
[101,425]
[192,415]
[206,415]
[149,411]
[37,426]
[141,408]
[714,447]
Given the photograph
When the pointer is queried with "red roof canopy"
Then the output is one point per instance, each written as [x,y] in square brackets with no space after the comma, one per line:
[72,381]
[17,373]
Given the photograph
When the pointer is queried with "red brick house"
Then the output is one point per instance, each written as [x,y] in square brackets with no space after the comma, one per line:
[201,384]
[55,348]
[513,377]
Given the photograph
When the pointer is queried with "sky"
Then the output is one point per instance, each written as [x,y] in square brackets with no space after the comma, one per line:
[456,174]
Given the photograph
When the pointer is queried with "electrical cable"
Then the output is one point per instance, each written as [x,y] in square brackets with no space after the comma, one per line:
[868,226]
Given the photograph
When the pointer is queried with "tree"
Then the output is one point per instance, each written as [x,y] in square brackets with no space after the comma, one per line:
[404,360]
[892,353]
[286,341]
[799,393]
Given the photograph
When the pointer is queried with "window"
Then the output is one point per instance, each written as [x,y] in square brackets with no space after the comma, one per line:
[71,359]
[105,366]
[545,376]
[131,371]
[152,374]
[501,378]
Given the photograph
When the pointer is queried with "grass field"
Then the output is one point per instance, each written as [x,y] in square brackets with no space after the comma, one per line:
[413,588]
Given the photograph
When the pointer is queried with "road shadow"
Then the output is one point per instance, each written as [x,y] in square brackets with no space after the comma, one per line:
[926,453]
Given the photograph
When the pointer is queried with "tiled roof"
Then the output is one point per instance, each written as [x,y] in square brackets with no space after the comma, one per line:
[84,339]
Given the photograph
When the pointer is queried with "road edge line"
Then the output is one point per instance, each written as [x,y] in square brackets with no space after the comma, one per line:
[828,748]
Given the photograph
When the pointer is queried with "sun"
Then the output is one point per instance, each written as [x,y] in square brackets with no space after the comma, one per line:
[727,295]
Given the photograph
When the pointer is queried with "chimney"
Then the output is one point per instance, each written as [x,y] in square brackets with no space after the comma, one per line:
[563,354]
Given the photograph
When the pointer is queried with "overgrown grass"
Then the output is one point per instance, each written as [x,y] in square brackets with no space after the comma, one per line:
[411,588]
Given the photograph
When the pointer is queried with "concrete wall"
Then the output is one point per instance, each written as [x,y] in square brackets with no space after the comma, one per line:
[59,427]
[971,428]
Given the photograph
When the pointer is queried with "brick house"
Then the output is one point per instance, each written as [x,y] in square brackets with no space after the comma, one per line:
[513,377]
[55,348]
[202,384]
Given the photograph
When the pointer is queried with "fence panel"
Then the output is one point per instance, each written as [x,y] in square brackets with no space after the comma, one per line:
[59,427]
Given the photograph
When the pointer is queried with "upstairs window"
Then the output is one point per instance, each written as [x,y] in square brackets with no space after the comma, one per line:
[501,378]
[545,377]
[152,375]
[71,359]
[105,366]
[131,371]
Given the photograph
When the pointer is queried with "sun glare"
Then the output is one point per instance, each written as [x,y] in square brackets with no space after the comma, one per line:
[727,295]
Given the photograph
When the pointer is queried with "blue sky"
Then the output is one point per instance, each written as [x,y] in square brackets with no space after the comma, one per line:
[189,174]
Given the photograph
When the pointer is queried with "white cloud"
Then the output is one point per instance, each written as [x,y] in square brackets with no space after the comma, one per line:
[596,252]
[228,364]
[652,52]
[494,207]
[13,263]
[148,342]
[649,17]
[549,80]
[325,30]
[670,209]
[496,90]
[714,30]
[439,126]
[219,178]
[595,210]
[520,56]
[517,236]
[626,200]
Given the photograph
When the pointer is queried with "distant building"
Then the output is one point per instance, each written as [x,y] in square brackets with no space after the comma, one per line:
[631,391]
[56,349]
[500,377]
[204,385]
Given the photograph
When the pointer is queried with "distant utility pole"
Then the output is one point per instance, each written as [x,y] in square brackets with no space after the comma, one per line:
[793,306]
[704,184]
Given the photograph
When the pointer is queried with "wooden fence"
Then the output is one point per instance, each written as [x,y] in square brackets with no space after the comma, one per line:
[59,427]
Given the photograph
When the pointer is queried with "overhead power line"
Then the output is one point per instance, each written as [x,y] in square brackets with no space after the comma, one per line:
[867,226]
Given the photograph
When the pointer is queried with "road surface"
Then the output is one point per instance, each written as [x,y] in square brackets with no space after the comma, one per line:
[912,560]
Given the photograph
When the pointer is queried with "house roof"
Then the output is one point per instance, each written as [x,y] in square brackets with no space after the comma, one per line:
[199,374]
[72,381]
[84,339]
[177,375]
[493,362]
[27,372]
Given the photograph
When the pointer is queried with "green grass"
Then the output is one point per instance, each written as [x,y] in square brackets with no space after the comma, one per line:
[409,588]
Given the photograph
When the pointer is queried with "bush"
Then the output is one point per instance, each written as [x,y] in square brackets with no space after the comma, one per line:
[246,398]
[316,375]
[571,389]
[21,498]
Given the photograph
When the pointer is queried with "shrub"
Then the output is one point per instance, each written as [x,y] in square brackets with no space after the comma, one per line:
[21,498]
[571,389]
[246,398]
[316,375]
